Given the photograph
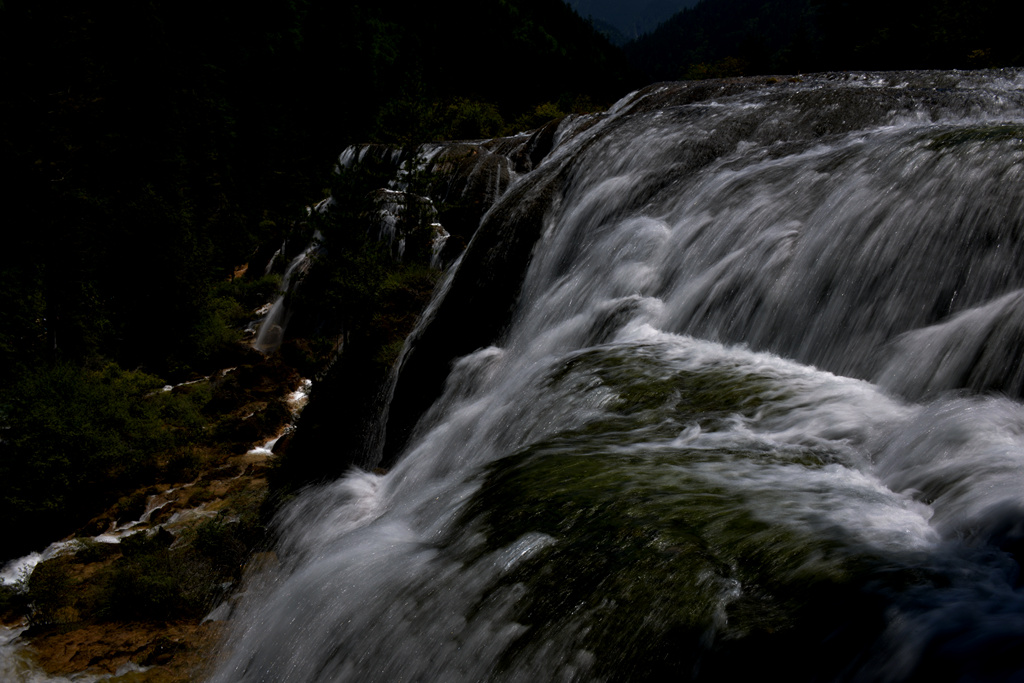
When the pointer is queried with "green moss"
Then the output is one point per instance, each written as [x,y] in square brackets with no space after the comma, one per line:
[656,564]
[979,134]
[645,389]
[200,495]
[86,550]
[651,561]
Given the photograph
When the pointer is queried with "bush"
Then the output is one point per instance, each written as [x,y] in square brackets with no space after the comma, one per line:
[130,508]
[146,582]
[183,466]
[87,551]
[200,495]
[13,601]
[145,586]
[76,439]
[181,411]
[541,114]
[218,328]
[222,544]
[728,67]
[154,581]
[252,292]
[51,594]
[464,119]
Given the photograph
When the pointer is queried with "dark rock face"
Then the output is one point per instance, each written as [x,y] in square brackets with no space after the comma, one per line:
[477,306]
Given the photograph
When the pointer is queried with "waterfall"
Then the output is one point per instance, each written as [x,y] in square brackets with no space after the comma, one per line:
[270,333]
[754,408]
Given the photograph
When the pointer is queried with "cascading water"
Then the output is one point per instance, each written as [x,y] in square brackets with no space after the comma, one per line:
[270,333]
[644,477]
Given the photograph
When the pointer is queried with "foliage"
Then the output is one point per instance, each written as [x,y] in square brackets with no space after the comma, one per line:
[51,594]
[356,270]
[147,582]
[149,576]
[75,437]
[156,580]
[249,292]
[13,601]
[471,120]
[88,550]
[183,466]
[541,114]
[182,413]
[726,67]
[218,328]
[226,545]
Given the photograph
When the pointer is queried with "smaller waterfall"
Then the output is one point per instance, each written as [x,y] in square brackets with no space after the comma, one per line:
[478,173]
[402,216]
[437,245]
[271,331]
[273,258]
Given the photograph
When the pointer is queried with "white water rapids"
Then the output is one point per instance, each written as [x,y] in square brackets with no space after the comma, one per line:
[757,411]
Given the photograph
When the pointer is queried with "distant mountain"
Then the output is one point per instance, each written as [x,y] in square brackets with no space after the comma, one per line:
[730,38]
[746,37]
[623,20]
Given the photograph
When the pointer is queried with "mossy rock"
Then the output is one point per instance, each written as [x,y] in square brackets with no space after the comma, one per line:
[980,134]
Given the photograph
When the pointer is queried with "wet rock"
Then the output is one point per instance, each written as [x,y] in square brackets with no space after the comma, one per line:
[178,649]
[477,306]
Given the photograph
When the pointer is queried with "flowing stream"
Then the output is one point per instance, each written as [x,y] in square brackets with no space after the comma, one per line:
[757,410]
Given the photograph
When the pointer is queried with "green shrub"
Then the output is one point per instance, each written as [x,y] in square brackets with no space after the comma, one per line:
[78,438]
[87,550]
[218,328]
[144,587]
[130,508]
[222,544]
[183,466]
[143,583]
[541,114]
[13,601]
[251,292]
[182,412]
[155,581]
[727,67]
[51,594]
[75,439]
[465,119]
[146,543]
[200,495]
